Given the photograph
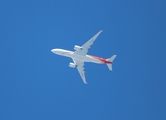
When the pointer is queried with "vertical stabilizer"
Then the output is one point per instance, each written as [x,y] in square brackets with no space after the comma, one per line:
[111,59]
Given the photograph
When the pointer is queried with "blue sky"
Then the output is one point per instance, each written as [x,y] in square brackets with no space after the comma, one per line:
[36,84]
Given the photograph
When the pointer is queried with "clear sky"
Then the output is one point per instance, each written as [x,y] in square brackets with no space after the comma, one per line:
[36,84]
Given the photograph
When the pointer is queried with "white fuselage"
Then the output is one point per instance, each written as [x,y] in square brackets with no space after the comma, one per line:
[86,58]
[79,56]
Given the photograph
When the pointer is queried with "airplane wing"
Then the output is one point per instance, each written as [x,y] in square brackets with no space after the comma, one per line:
[87,45]
[80,68]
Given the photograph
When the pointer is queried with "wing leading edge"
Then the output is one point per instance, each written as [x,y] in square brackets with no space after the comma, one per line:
[80,68]
[87,45]
[83,51]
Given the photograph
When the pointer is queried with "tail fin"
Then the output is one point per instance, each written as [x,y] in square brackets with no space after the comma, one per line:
[111,60]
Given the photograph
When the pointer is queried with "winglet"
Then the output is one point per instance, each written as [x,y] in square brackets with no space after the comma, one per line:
[101,30]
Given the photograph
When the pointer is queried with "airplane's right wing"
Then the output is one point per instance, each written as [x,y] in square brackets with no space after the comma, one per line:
[80,68]
[87,45]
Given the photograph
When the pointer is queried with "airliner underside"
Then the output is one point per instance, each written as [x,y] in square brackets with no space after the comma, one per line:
[80,56]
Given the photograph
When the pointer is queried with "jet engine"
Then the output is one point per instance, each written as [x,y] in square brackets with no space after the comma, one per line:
[72,65]
[76,47]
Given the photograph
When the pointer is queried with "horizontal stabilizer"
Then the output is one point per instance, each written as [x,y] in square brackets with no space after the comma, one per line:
[111,60]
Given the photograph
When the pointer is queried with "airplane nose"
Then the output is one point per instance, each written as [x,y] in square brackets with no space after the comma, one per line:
[52,50]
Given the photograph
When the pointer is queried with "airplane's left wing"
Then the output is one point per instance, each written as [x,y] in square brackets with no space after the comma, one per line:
[87,45]
[80,68]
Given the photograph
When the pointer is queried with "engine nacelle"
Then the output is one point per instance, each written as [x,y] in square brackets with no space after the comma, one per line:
[72,65]
[76,47]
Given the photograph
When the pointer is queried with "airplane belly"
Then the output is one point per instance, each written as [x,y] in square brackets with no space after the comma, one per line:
[80,58]
[93,60]
[85,58]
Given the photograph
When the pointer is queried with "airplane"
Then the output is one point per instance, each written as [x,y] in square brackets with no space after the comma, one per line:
[79,56]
